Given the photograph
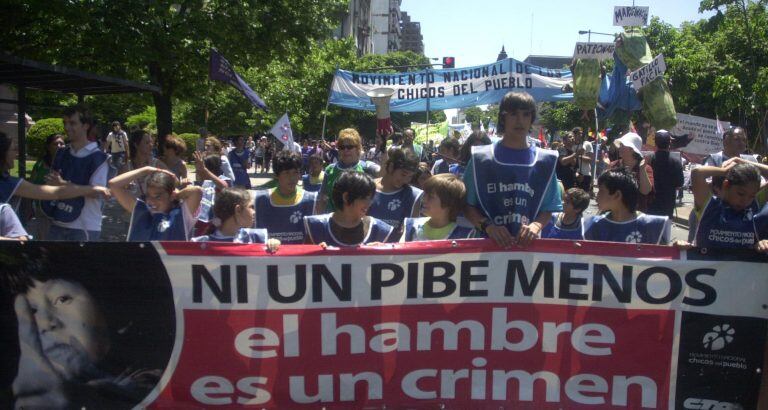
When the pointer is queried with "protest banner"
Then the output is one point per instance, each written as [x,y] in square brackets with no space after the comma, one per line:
[649,72]
[703,133]
[598,51]
[460,324]
[451,88]
[625,16]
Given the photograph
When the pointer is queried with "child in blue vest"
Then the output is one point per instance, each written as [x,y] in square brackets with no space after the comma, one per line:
[313,181]
[234,213]
[239,159]
[163,214]
[617,197]
[209,176]
[281,210]
[511,185]
[348,225]
[444,196]
[567,224]
[732,218]
[395,199]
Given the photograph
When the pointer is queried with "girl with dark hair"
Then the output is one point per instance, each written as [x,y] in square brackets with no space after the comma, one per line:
[395,198]
[163,213]
[348,225]
[43,165]
[234,214]
[11,186]
[140,150]
[730,219]
[477,138]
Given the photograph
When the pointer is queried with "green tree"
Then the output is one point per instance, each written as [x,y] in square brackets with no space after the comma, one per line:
[165,42]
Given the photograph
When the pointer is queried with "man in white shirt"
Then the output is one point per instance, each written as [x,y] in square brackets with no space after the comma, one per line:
[82,163]
[117,146]
[585,155]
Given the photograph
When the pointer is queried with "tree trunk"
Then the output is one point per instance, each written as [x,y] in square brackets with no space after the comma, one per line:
[163,105]
[164,118]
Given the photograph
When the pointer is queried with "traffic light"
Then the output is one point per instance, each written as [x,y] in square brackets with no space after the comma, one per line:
[449,62]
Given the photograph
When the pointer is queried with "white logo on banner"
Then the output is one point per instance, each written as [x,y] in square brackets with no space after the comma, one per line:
[719,337]
[634,237]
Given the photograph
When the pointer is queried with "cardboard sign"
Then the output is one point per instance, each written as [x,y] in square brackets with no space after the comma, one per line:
[599,51]
[630,16]
[647,73]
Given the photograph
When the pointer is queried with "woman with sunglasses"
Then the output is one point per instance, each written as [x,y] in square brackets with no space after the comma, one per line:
[350,148]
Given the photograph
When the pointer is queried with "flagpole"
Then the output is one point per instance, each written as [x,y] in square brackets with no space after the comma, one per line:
[328,102]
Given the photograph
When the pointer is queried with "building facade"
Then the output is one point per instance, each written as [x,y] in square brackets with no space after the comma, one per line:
[412,39]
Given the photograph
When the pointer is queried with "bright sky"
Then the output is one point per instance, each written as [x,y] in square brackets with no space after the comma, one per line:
[473,31]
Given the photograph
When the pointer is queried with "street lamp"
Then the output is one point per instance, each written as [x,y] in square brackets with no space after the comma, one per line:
[590,32]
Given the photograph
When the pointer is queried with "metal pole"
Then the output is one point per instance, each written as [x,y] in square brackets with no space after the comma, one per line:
[427,131]
[596,152]
[21,121]
[328,102]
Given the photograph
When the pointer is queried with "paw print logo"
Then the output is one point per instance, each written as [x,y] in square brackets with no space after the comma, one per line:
[719,337]
[394,204]
[634,237]
[163,225]
[295,217]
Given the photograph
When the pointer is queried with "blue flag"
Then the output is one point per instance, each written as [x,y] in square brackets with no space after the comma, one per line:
[221,70]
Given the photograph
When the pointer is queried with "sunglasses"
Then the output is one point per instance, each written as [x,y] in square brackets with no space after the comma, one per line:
[345,147]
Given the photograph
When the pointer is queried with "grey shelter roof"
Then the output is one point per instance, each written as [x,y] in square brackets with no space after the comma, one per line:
[40,76]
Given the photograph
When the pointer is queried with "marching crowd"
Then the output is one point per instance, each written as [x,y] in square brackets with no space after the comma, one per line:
[344,194]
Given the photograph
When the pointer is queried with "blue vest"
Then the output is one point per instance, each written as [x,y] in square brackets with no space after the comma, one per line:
[394,207]
[8,185]
[441,167]
[285,223]
[552,231]
[318,227]
[414,225]
[511,194]
[306,183]
[244,235]
[77,171]
[148,226]
[239,163]
[648,229]
[722,227]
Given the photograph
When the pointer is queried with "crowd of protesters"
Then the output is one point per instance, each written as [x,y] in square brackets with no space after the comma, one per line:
[349,193]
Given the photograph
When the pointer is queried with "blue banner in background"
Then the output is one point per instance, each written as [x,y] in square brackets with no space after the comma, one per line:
[452,88]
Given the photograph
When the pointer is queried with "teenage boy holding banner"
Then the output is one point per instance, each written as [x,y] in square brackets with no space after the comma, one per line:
[512,189]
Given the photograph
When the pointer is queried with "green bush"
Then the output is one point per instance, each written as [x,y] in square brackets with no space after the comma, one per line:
[190,139]
[39,132]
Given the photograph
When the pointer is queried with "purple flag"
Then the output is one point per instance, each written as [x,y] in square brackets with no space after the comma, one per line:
[221,70]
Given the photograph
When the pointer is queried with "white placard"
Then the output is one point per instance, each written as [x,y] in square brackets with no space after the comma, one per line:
[599,51]
[647,73]
[630,16]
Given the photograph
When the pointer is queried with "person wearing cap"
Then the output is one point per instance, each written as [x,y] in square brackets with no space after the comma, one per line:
[665,189]
[631,157]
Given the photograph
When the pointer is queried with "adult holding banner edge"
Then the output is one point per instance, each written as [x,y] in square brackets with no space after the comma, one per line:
[511,185]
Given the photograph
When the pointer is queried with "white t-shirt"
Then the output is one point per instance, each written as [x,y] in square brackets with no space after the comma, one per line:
[586,166]
[90,217]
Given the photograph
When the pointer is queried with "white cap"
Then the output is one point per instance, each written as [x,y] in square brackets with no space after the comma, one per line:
[631,140]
